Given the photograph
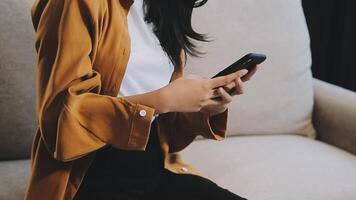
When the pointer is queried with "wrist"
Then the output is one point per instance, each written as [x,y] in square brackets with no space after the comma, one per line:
[163,100]
[155,99]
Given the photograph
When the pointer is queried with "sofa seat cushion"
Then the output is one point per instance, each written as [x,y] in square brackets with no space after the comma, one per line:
[14,176]
[276,167]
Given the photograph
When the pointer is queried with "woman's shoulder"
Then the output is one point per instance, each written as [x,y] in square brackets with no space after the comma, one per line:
[93,10]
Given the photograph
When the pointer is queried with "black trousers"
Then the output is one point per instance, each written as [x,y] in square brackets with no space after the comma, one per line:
[117,174]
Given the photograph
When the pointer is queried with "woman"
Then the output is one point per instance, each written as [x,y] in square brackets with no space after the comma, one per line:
[113,105]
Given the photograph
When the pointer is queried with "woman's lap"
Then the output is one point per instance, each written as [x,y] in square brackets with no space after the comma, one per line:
[189,187]
[133,175]
[170,186]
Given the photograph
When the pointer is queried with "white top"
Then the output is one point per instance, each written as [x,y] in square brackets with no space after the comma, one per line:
[149,67]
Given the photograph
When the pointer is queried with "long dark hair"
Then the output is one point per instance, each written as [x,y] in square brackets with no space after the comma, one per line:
[172,25]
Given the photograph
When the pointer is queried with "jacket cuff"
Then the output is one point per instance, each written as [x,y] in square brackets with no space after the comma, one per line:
[141,126]
[214,127]
[198,123]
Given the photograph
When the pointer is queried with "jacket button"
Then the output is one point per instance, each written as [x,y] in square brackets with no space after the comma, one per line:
[184,169]
[142,113]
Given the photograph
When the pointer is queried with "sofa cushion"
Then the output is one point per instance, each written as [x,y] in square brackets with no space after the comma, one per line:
[279,99]
[276,167]
[14,178]
[17,78]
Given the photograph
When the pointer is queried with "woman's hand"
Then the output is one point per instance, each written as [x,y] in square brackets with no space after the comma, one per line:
[236,87]
[193,93]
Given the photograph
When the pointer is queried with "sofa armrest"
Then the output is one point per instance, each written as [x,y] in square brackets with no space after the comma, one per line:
[334,115]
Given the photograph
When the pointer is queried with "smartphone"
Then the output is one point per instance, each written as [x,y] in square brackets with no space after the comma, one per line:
[246,62]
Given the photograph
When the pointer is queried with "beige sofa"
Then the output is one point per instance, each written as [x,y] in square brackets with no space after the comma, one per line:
[289,136]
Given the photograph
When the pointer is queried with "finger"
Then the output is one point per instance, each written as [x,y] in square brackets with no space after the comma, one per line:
[241,72]
[224,80]
[214,93]
[240,86]
[226,98]
[250,74]
[239,89]
[213,102]
[229,86]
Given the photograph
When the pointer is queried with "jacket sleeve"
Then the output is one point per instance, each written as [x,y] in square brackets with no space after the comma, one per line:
[74,117]
[197,123]
[188,125]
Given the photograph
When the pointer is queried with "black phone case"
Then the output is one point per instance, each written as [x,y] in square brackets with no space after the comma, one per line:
[246,62]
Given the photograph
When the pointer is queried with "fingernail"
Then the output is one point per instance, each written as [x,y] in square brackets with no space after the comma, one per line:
[245,71]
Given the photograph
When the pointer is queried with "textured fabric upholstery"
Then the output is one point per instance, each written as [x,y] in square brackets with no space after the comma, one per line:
[17,89]
[335,115]
[14,175]
[277,167]
[279,99]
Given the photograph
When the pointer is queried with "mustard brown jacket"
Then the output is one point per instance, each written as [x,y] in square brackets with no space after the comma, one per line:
[82,49]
